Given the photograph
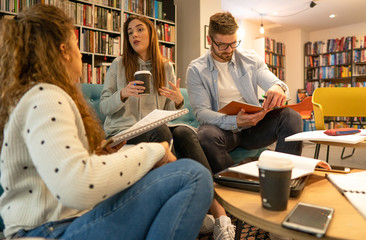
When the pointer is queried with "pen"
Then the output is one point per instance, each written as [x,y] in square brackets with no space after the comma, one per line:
[171,144]
[265,96]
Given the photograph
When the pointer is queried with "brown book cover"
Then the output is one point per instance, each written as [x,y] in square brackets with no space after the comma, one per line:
[234,108]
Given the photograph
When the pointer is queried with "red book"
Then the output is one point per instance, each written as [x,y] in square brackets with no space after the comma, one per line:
[89,73]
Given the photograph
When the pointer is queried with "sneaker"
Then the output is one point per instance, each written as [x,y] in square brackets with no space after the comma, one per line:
[208,224]
[223,229]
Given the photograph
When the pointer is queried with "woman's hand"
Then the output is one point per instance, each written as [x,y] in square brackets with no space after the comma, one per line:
[108,149]
[173,94]
[168,157]
[133,88]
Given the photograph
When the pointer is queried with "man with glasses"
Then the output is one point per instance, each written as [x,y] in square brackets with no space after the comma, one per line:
[225,74]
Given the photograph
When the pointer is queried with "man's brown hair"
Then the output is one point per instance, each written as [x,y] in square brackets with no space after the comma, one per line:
[222,23]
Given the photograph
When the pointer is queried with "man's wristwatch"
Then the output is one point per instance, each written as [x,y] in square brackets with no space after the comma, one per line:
[283,88]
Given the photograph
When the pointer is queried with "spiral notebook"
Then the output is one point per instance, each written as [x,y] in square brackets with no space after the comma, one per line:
[353,187]
[152,120]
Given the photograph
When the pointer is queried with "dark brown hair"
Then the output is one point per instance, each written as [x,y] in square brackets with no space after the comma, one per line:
[222,23]
[129,56]
[30,54]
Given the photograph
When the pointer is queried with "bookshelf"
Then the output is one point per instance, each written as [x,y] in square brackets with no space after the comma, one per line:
[98,26]
[339,62]
[275,57]
[359,66]
[273,54]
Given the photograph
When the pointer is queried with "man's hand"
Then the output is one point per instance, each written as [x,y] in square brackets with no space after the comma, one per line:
[244,119]
[275,97]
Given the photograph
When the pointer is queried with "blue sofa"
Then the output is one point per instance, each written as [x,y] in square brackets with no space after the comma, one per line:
[92,94]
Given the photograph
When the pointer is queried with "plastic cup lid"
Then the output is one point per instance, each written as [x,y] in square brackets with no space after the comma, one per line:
[143,72]
[274,161]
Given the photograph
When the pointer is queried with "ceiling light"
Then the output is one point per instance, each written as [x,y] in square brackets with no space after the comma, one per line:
[332,15]
[261,29]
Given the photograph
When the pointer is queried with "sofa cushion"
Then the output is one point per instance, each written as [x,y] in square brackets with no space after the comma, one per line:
[92,93]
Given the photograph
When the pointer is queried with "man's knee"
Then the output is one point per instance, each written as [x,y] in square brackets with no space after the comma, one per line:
[206,134]
[293,119]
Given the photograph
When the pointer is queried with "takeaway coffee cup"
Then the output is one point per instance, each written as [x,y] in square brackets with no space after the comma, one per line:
[144,76]
[274,180]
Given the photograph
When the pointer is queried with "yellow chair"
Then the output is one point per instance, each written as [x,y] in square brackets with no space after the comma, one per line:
[337,102]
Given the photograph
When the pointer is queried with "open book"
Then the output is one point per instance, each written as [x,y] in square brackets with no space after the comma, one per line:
[234,108]
[319,135]
[353,187]
[150,121]
[302,165]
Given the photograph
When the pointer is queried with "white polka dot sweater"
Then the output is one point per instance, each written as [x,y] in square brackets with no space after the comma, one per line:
[47,172]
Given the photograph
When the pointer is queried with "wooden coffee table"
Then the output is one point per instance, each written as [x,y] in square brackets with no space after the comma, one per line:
[347,222]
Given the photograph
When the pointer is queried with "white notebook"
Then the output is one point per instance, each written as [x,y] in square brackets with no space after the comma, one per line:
[302,165]
[353,187]
[152,120]
[319,135]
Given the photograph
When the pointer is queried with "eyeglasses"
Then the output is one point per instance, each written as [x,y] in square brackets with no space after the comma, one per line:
[224,46]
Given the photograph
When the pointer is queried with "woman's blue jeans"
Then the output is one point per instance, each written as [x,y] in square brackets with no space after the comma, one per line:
[170,202]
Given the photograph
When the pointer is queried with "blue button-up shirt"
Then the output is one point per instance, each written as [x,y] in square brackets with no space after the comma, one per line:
[248,71]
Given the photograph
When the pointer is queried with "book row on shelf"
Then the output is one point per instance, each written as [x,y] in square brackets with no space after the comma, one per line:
[153,8]
[101,18]
[98,42]
[166,32]
[98,72]
[168,52]
[16,6]
[335,45]
[328,59]
[344,122]
[276,47]
[328,72]
[359,55]
[279,72]
[311,86]
[359,70]
[274,60]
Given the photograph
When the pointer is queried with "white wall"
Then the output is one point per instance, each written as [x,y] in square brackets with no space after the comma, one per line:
[247,33]
[294,59]
[345,31]
[191,17]
[188,37]
[208,8]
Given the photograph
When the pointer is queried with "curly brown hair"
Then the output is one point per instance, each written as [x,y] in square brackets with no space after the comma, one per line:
[129,56]
[222,23]
[30,54]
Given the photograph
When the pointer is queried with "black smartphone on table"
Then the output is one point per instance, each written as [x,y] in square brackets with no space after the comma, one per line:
[309,218]
[336,169]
